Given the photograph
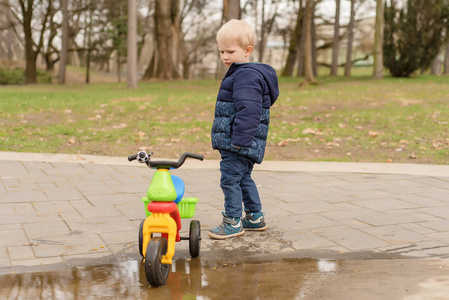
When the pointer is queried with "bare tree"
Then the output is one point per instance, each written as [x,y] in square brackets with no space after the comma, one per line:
[446,60]
[294,42]
[65,35]
[308,70]
[378,41]
[348,64]
[435,66]
[336,40]
[29,13]
[231,10]
[301,46]
[167,27]
[267,24]
[132,45]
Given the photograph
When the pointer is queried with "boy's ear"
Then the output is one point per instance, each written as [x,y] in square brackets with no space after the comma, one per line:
[249,50]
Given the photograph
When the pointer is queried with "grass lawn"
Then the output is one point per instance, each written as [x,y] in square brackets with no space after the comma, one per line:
[342,119]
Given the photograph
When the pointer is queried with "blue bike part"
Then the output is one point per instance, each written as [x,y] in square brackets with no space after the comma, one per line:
[179,187]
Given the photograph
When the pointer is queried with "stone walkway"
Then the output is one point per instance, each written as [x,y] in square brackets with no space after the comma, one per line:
[59,211]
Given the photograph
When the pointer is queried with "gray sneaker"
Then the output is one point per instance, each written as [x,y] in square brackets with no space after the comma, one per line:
[231,227]
[254,221]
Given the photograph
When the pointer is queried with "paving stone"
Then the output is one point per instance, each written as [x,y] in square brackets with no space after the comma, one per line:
[12,236]
[386,204]
[23,196]
[62,194]
[349,238]
[440,212]
[4,258]
[53,207]
[37,261]
[120,237]
[46,229]
[24,252]
[394,234]
[68,245]
[87,210]
[308,240]
[101,225]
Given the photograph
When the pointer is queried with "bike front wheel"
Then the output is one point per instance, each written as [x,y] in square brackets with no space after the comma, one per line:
[156,272]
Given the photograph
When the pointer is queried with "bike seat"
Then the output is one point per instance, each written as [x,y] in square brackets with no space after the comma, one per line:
[179,187]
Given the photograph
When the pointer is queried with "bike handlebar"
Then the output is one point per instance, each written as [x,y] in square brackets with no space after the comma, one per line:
[132,157]
[165,163]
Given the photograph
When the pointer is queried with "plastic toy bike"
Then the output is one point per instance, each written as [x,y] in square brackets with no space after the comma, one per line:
[164,208]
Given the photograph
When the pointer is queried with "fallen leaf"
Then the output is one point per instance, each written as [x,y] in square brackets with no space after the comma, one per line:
[373,133]
[122,125]
[285,142]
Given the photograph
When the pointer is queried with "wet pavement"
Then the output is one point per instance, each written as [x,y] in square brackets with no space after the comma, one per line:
[69,214]
[410,279]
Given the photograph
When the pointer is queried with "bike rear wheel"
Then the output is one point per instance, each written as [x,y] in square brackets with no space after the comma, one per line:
[141,238]
[194,238]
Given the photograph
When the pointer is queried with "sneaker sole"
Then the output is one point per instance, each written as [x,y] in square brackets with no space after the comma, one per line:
[256,229]
[222,237]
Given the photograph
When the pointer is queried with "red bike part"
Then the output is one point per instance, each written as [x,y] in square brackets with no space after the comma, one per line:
[167,208]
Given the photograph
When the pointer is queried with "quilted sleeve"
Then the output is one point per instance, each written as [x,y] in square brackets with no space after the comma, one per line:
[247,94]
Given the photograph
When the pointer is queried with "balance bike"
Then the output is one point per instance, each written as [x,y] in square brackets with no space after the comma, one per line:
[164,208]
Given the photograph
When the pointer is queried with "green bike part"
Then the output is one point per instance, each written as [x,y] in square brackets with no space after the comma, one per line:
[161,188]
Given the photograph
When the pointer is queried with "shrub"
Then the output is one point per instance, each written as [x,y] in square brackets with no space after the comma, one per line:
[12,76]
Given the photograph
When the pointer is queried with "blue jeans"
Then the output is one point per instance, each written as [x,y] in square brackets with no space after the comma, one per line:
[237,184]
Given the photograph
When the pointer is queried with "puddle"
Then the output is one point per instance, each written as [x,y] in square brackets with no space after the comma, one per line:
[188,279]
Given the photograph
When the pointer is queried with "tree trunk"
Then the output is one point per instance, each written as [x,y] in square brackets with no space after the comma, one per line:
[30,69]
[262,34]
[446,60]
[132,45]
[314,49]
[89,34]
[301,46]
[65,34]
[378,41]
[119,67]
[348,65]
[435,67]
[231,10]
[308,43]
[336,40]
[294,44]
[166,16]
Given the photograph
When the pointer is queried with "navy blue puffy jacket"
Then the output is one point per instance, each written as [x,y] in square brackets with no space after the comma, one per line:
[242,111]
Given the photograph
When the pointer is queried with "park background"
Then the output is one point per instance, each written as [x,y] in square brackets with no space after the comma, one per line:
[360,80]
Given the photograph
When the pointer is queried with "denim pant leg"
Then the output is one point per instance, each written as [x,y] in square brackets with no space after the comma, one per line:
[237,184]
[250,194]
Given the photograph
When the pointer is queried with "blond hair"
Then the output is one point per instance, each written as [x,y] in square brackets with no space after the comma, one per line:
[237,31]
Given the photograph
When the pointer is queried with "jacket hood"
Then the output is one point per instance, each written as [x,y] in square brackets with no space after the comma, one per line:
[268,73]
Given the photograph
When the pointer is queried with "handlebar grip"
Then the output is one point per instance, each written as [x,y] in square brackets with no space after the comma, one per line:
[194,155]
[132,157]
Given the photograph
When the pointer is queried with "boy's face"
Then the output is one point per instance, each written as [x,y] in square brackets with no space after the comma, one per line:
[231,52]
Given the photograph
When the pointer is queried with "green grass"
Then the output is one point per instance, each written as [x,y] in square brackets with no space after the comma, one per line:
[341,119]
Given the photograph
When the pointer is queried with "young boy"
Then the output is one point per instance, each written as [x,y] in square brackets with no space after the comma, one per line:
[240,128]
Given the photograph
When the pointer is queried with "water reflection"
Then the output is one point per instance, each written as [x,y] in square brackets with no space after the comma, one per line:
[188,279]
